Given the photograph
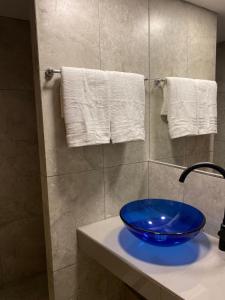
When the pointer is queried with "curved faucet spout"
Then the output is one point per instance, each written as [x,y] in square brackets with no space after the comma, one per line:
[201,165]
[182,178]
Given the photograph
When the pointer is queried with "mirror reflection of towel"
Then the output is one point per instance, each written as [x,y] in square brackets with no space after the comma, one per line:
[190,106]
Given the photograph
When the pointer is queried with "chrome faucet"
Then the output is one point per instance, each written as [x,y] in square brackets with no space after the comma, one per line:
[182,178]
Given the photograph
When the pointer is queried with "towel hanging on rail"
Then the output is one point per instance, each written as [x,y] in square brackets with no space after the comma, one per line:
[191,106]
[102,105]
[85,106]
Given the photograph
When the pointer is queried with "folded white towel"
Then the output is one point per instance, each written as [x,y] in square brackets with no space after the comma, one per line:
[191,106]
[85,106]
[127,106]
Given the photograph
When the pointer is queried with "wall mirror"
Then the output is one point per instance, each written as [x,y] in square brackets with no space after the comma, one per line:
[186,41]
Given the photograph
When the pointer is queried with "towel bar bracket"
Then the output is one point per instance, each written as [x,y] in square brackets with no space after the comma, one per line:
[49,73]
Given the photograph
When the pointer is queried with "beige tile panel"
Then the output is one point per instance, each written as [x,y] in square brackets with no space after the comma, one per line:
[202,57]
[164,182]
[74,200]
[168,27]
[124,36]
[202,30]
[68,33]
[201,22]
[207,193]
[123,184]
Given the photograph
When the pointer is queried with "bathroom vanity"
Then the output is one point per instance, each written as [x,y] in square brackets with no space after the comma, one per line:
[192,271]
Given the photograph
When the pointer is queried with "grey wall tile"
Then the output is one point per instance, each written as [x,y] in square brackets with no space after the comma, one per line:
[123,184]
[202,57]
[124,47]
[201,22]
[202,29]
[124,36]
[168,27]
[197,149]
[68,33]
[208,194]
[164,182]
[74,200]
[15,53]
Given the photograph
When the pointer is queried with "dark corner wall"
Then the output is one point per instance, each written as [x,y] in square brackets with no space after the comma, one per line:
[22,249]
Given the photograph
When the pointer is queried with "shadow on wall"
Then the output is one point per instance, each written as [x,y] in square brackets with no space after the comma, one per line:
[179,255]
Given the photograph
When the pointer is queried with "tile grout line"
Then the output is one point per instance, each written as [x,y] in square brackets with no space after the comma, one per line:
[96,169]
[65,267]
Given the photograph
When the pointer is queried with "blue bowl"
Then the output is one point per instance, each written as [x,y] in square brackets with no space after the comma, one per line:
[162,222]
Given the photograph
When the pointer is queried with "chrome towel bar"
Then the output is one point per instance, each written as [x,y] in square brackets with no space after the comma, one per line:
[49,73]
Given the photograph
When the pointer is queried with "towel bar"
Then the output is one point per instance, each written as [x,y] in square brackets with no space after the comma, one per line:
[49,73]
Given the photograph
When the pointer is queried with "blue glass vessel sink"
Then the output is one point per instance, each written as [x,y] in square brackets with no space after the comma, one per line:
[162,222]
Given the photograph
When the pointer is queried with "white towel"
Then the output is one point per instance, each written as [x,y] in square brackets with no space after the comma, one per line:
[85,106]
[191,106]
[127,106]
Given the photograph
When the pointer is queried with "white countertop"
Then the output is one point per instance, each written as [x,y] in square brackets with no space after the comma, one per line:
[192,271]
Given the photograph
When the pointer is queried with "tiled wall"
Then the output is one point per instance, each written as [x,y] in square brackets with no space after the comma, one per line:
[82,184]
[87,184]
[22,249]
[219,147]
[182,43]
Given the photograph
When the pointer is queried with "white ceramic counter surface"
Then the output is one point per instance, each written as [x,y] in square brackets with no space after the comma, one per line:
[192,271]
